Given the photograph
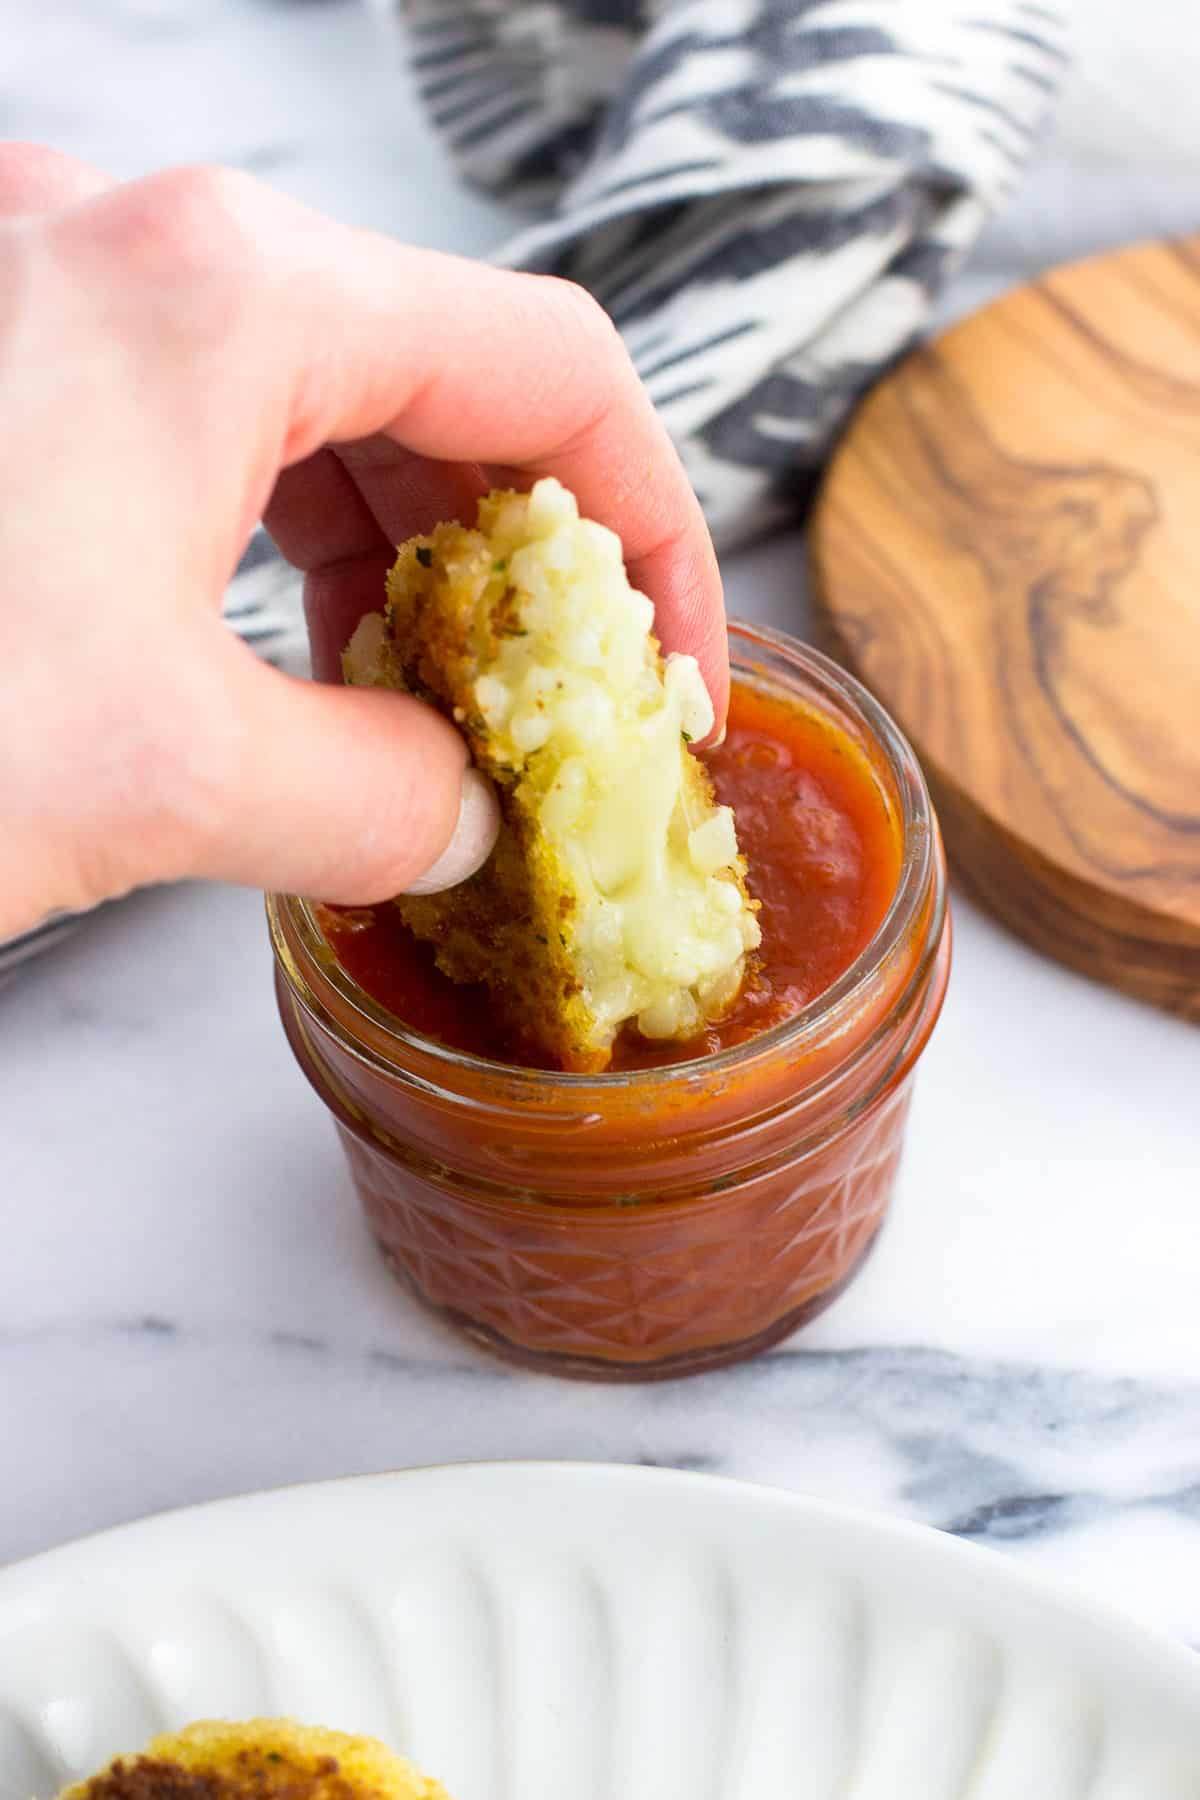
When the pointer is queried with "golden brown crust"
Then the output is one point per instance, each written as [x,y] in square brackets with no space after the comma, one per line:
[503,926]
[246,1777]
[262,1759]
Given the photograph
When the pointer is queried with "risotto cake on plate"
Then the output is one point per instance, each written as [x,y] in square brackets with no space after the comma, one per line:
[259,1759]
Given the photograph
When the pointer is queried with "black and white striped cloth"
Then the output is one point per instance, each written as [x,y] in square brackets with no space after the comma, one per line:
[766,195]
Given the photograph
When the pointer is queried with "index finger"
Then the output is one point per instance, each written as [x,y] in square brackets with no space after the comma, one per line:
[463,362]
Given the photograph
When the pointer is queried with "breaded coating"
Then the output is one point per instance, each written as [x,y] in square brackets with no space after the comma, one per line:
[261,1759]
[615,893]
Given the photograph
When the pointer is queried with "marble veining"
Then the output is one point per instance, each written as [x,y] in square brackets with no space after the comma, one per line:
[189,1305]
[1017,1455]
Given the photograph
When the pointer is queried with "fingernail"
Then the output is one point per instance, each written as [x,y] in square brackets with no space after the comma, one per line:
[474,837]
[715,742]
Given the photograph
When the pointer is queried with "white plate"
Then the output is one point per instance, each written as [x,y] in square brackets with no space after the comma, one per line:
[550,1632]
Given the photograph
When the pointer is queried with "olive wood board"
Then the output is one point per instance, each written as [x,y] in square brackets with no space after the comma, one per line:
[1006,549]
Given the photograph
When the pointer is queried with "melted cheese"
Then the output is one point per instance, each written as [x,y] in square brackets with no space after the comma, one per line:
[578,701]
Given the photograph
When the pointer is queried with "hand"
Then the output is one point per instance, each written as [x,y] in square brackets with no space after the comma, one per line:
[183,354]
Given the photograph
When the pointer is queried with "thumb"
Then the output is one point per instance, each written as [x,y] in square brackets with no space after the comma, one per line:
[343,794]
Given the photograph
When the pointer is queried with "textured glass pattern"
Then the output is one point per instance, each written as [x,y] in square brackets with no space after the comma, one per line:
[643,1280]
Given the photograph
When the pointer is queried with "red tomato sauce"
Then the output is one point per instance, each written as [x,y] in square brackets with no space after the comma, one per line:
[822,845]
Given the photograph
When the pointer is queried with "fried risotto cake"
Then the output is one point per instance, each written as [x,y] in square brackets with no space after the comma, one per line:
[262,1759]
[616,894]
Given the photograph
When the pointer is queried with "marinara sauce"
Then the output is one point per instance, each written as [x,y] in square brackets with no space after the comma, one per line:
[822,844]
[695,1202]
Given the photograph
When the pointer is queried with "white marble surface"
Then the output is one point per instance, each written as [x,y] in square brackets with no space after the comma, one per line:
[188,1303]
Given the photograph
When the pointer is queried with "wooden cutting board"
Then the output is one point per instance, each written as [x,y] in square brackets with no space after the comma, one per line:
[1007,551]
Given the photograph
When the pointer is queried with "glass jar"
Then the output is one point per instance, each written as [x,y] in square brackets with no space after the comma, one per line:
[662,1221]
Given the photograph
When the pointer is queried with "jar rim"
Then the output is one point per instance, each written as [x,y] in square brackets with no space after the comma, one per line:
[835,1006]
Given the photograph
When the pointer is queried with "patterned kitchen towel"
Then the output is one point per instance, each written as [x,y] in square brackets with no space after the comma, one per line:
[767,195]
